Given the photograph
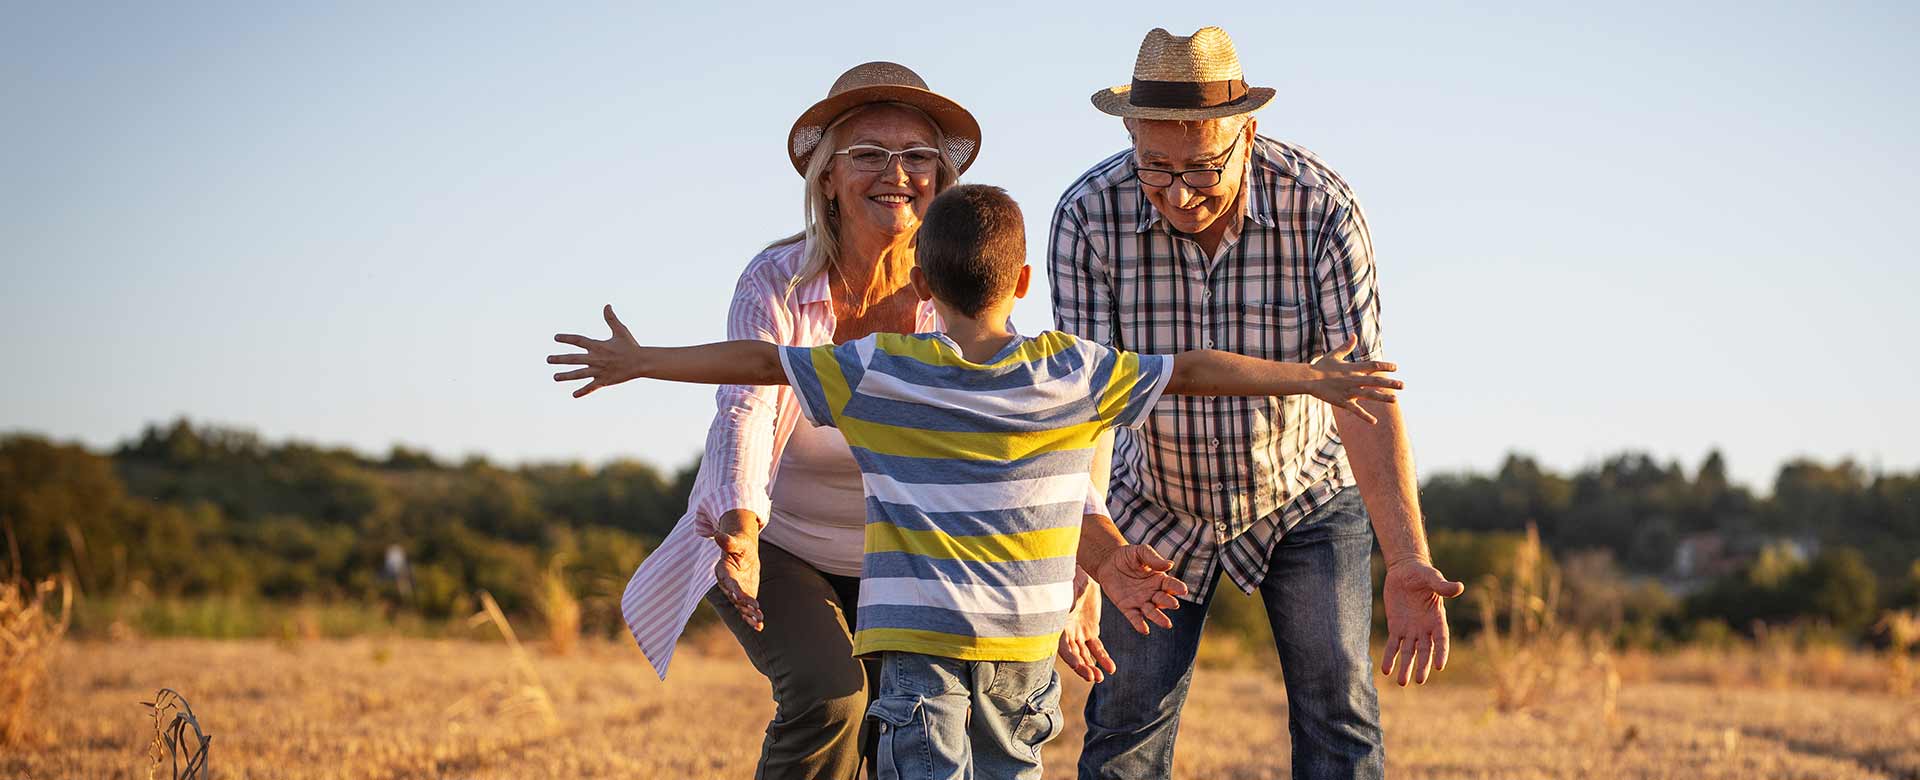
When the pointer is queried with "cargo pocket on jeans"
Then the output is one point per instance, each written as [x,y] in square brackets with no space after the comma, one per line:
[1042,719]
[901,749]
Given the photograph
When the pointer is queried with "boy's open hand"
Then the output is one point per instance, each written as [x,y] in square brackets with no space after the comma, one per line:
[608,361]
[1134,578]
[1343,384]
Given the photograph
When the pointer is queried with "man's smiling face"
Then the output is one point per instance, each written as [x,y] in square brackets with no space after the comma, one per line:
[1180,146]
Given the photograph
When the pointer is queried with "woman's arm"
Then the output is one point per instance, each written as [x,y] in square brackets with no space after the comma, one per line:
[1329,378]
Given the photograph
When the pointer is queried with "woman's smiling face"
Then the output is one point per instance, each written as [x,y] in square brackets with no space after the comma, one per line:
[887,202]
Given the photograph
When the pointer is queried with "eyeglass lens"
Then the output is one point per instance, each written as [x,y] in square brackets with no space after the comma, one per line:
[868,158]
[1197,179]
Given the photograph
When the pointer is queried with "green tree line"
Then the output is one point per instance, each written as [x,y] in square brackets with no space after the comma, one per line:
[192,510]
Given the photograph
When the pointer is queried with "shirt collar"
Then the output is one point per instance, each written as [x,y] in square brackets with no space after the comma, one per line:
[1258,180]
[815,290]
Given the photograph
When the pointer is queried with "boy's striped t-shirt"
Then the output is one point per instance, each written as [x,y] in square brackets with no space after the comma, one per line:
[975,476]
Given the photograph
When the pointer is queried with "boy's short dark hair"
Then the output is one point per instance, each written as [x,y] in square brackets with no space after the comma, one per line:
[971,247]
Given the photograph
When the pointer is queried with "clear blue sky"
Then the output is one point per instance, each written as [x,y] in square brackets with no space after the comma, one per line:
[1667,227]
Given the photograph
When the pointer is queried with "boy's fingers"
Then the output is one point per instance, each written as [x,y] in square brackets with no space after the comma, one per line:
[1440,647]
[615,324]
[1156,617]
[1173,585]
[1134,619]
[1347,348]
[590,387]
[1360,411]
[578,373]
[1379,395]
[577,340]
[1162,600]
[569,359]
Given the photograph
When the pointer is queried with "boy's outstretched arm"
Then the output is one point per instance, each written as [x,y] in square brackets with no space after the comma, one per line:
[619,358]
[1329,378]
[1132,576]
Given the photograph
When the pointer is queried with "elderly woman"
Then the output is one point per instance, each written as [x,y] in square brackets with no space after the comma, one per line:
[783,503]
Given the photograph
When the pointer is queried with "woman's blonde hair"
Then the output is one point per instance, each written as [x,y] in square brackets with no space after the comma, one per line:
[822,225]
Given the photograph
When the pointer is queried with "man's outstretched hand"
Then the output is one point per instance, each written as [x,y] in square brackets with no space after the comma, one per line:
[1416,620]
[1135,579]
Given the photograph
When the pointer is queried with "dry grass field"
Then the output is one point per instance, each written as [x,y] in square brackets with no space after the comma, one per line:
[373,708]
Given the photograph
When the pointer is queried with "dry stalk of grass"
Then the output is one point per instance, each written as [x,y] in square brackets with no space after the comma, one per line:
[29,634]
[172,716]
[558,608]
[1902,628]
[1524,644]
[528,692]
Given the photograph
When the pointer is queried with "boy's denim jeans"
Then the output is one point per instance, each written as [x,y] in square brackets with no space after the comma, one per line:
[1319,599]
[945,719]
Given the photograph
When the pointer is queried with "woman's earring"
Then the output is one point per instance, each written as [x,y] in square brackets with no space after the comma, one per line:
[833,208]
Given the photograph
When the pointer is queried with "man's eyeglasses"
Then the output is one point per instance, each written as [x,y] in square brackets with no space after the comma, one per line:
[1197,178]
[867,157]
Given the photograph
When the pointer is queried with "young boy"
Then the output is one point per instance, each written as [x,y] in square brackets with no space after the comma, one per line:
[974,446]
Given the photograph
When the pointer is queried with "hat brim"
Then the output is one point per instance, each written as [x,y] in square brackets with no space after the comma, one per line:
[955,121]
[1115,101]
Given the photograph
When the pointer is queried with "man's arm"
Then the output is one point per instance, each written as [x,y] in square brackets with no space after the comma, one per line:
[620,358]
[1329,378]
[1382,458]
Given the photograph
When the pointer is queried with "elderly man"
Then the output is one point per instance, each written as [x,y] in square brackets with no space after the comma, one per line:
[1207,235]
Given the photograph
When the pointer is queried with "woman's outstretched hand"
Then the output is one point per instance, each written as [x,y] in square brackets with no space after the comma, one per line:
[608,361]
[1343,384]
[1080,643]
[737,573]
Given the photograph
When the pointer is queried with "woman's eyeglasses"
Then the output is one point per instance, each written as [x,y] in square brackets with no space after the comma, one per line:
[867,157]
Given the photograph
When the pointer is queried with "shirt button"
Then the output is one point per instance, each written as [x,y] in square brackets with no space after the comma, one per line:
[1209,343]
[1207,294]
[1213,444]
[1217,487]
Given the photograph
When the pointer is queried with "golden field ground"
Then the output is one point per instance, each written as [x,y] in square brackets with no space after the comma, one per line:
[379,708]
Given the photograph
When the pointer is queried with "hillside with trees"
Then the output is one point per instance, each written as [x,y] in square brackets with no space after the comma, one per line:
[1646,550]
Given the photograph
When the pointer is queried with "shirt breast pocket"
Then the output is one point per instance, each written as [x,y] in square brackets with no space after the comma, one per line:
[1273,330]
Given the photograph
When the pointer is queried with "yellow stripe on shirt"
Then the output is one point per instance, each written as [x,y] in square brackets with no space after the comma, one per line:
[833,379]
[935,352]
[1126,374]
[965,445]
[885,537]
[958,646]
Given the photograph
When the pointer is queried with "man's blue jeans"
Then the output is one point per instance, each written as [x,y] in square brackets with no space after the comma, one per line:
[946,719]
[1319,598]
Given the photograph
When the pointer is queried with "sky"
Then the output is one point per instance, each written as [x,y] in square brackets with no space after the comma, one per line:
[1599,227]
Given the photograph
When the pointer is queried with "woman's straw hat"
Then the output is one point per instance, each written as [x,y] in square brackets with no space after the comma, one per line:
[1195,77]
[883,82]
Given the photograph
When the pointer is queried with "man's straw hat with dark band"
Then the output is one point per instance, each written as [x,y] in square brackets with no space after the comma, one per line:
[883,82]
[1195,77]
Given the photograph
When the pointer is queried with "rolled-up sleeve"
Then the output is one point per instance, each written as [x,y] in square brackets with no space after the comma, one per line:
[740,442]
[1348,294]
[1082,285]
